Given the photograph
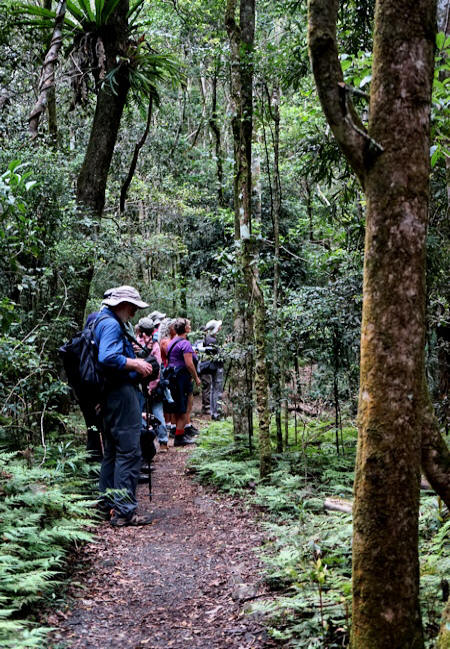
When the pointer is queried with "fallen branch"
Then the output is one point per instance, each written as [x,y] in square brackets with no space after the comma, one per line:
[338,505]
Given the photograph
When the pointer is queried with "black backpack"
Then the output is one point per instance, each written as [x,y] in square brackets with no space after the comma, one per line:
[80,360]
[85,374]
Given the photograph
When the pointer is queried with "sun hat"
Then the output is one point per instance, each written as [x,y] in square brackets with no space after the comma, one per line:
[125,294]
[157,317]
[213,326]
[146,325]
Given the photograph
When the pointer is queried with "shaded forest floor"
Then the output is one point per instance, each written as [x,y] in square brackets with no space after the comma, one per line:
[182,582]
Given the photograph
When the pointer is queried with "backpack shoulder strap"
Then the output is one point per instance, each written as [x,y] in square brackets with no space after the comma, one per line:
[172,347]
[128,336]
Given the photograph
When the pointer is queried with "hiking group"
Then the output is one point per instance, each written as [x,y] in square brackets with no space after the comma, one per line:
[135,388]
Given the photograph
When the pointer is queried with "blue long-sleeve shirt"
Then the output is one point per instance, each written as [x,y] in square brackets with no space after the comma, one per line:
[113,347]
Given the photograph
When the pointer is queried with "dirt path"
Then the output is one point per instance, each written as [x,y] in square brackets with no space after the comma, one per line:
[181,582]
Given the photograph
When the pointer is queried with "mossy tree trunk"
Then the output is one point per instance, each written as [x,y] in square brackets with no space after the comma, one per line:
[241,34]
[273,103]
[391,160]
[261,378]
[111,98]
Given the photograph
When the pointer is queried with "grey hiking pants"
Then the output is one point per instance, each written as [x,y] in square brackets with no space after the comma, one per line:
[122,421]
[216,392]
[206,380]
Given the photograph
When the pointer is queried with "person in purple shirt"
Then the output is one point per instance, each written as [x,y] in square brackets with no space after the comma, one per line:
[121,410]
[182,358]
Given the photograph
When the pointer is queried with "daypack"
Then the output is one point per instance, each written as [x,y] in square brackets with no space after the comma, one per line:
[80,360]
[85,374]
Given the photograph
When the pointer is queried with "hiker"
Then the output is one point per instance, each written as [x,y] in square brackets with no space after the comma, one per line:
[122,412]
[92,418]
[182,359]
[157,318]
[145,329]
[166,334]
[211,371]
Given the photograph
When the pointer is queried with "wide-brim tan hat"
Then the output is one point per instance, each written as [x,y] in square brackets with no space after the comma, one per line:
[213,326]
[125,294]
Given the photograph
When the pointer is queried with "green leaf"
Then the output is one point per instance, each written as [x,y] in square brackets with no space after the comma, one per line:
[75,11]
[137,5]
[85,5]
[33,10]
[99,5]
[109,9]
[436,154]
[440,39]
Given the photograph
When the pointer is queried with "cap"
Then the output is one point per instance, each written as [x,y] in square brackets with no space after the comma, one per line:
[146,325]
[157,317]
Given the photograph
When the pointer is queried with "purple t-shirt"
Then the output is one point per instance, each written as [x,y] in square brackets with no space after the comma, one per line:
[179,346]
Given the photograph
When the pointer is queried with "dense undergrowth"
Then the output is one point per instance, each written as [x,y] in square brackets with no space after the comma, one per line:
[308,552]
[46,508]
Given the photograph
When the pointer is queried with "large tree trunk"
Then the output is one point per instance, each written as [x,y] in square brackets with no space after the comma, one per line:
[392,163]
[91,183]
[241,42]
[261,379]
[274,110]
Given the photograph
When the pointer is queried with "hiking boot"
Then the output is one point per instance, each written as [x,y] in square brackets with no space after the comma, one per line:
[134,520]
[183,440]
[163,446]
[191,430]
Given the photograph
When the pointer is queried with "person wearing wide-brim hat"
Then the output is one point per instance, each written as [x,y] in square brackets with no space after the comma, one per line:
[122,418]
[213,327]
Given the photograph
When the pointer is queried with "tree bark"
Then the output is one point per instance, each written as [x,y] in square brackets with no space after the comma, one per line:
[47,79]
[392,162]
[241,43]
[91,183]
[51,103]
[274,110]
[127,182]
[261,379]
[213,123]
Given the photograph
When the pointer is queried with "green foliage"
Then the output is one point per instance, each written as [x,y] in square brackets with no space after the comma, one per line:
[81,15]
[441,102]
[307,555]
[45,508]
